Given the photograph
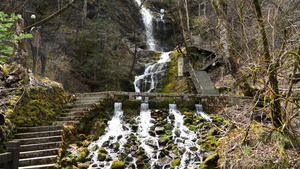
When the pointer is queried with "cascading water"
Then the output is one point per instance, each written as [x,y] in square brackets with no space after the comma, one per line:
[200,112]
[147,19]
[185,140]
[153,73]
[114,135]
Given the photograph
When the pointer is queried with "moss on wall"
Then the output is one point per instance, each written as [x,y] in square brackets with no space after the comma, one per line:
[36,106]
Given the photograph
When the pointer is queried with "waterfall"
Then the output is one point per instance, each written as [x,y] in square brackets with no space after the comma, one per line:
[185,140]
[147,20]
[200,112]
[152,75]
[114,134]
[148,81]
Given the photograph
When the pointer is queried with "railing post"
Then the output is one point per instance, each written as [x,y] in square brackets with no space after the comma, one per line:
[14,148]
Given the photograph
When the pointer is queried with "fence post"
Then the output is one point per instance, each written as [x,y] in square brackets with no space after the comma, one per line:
[14,148]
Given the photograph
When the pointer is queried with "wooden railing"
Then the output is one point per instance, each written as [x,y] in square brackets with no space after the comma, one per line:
[10,159]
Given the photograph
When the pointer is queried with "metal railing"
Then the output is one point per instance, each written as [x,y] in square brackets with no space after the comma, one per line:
[10,158]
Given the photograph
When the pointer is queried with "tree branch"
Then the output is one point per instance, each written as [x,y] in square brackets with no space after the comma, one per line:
[51,16]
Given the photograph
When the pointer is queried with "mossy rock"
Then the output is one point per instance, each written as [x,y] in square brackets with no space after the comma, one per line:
[192,127]
[188,120]
[167,127]
[141,165]
[83,165]
[218,120]
[101,156]
[213,132]
[194,148]
[82,155]
[102,150]
[209,144]
[117,165]
[176,162]
[210,162]
[86,143]
[100,128]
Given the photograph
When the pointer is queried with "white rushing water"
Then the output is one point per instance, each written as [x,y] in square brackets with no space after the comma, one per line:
[200,112]
[152,75]
[148,142]
[114,134]
[185,140]
[147,19]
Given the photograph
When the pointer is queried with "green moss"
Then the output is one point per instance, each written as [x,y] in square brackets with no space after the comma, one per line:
[164,137]
[169,132]
[82,155]
[101,156]
[117,165]
[176,162]
[192,127]
[194,148]
[100,128]
[102,150]
[167,126]
[85,143]
[174,147]
[210,162]
[214,131]
[83,166]
[200,125]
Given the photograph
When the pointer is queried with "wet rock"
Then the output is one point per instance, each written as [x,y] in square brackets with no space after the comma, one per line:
[163,140]
[188,120]
[151,143]
[162,162]
[152,133]
[172,116]
[177,132]
[160,130]
[134,127]
[105,144]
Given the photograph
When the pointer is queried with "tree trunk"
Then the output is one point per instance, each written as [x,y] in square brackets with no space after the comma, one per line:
[84,11]
[270,66]
[225,50]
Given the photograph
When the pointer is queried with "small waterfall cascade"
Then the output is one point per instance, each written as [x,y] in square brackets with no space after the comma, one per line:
[200,112]
[185,140]
[147,19]
[153,73]
[148,142]
[114,135]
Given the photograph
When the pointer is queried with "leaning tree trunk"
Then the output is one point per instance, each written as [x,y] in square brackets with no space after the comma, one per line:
[225,49]
[270,65]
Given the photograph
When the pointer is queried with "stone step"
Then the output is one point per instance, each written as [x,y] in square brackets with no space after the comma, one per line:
[64,123]
[40,146]
[39,129]
[39,140]
[87,105]
[94,94]
[82,109]
[37,161]
[70,118]
[45,166]
[73,113]
[88,100]
[39,134]
[39,153]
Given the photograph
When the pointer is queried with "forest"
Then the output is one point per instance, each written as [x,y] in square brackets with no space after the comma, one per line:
[98,45]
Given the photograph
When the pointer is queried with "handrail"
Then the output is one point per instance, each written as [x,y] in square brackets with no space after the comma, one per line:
[10,159]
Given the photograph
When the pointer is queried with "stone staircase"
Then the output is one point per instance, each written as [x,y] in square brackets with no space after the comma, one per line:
[40,145]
